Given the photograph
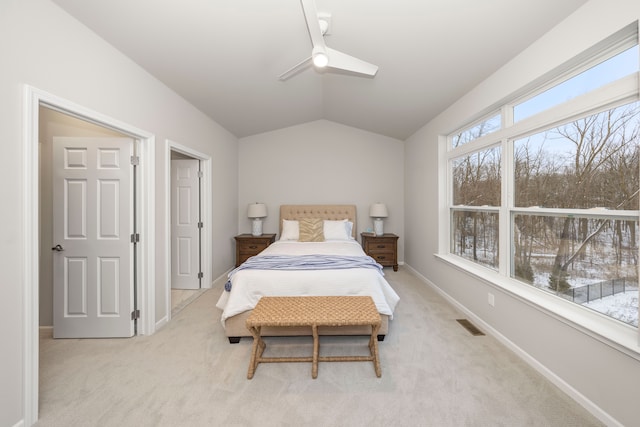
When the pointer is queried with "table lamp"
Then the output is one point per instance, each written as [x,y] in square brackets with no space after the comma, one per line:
[257,211]
[377,211]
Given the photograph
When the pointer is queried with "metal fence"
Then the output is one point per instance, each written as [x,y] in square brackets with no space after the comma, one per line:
[587,293]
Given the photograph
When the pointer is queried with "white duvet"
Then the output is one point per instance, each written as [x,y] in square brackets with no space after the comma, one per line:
[247,286]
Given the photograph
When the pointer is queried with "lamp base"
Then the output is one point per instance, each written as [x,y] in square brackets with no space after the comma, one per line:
[378,227]
[256,227]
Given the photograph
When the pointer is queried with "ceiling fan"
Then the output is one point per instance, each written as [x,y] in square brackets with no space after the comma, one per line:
[322,56]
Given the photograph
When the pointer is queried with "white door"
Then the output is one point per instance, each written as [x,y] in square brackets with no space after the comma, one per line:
[92,223]
[185,217]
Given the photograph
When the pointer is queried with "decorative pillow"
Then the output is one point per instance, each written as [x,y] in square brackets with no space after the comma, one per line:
[311,230]
[290,230]
[337,230]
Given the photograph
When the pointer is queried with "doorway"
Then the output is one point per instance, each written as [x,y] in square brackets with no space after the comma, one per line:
[34,99]
[186,226]
[189,223]
[87,285]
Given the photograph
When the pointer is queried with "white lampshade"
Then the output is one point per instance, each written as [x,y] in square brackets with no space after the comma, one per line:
[257,210]
[378,210]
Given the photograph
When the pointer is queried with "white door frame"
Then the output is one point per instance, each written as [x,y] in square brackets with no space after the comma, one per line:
[33,99]
[205,206]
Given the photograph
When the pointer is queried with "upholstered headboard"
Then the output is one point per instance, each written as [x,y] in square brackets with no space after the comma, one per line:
[328,212]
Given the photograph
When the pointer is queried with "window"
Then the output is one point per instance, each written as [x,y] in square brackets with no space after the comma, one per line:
[482,128]
[476,196]
[585,247]
[612,69]
[588,163]
[556,207]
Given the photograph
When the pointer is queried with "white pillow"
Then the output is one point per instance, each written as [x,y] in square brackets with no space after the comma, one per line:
[337,230]
[290,230]
[350,229]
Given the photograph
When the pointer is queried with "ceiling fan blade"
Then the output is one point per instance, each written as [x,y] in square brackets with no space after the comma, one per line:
[342,61]
[295,69]
[313,24]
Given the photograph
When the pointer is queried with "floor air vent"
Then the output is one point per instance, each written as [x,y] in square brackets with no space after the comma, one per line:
[470,327]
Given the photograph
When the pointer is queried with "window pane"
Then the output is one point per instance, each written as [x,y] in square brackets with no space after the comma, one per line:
[592,262]
[591,162]
[483,128]
[608,71]
[476,178]
[475,237]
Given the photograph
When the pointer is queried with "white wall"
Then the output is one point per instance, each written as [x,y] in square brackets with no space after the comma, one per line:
[602,375]
[322,162]
[44,47]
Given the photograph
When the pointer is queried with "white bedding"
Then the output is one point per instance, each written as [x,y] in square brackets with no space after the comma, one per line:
[249,285]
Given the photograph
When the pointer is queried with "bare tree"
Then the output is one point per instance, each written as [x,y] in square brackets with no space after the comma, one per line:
[599,141]
[600,169]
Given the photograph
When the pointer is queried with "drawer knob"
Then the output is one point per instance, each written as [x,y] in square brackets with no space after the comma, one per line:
[253,247]
[381,246]
[382,257]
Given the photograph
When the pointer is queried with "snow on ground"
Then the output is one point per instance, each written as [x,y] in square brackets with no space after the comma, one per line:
[622,306]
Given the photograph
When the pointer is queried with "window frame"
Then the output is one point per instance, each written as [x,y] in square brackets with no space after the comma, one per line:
[620,92]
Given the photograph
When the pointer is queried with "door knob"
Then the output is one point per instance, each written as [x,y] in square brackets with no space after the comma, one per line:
[57,248]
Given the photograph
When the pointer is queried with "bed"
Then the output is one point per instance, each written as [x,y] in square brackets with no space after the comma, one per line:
[316,233]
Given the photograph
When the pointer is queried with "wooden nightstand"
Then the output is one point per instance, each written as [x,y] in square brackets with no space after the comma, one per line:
[248,245]
[384,249]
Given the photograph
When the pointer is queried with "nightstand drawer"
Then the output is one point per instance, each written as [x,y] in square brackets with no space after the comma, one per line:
[253,247]
[243,257]
[383,257]
[381,246]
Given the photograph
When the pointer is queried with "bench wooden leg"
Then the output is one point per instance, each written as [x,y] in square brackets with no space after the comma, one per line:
[256,351]
[373,347]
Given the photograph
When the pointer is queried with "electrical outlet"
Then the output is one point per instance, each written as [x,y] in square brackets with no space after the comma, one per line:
[491,300]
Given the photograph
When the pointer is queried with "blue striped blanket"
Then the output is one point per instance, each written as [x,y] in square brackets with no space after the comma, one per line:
[304,262]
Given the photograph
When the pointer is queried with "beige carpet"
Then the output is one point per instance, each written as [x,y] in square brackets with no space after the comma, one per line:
[180,298]
[434,373]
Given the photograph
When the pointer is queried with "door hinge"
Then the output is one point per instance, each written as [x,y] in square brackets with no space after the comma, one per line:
[135,238]
[135,160]
[200,174]
[135,314]
[200,275]
[200,225]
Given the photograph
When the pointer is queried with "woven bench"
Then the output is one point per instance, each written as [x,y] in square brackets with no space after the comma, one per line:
[313,312]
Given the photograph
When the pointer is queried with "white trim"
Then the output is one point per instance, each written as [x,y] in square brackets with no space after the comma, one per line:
[444,195]
[205,202]
[31,265]
[33,99]
[581,399]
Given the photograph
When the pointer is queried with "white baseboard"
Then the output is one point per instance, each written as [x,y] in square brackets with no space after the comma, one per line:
[586,403]
[221,279]
[45,331]
[162,322]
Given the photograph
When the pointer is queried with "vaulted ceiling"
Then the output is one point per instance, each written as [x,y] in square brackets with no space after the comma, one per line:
[224,56]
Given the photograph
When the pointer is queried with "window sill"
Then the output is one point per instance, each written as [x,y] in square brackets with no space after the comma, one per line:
[611,332]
